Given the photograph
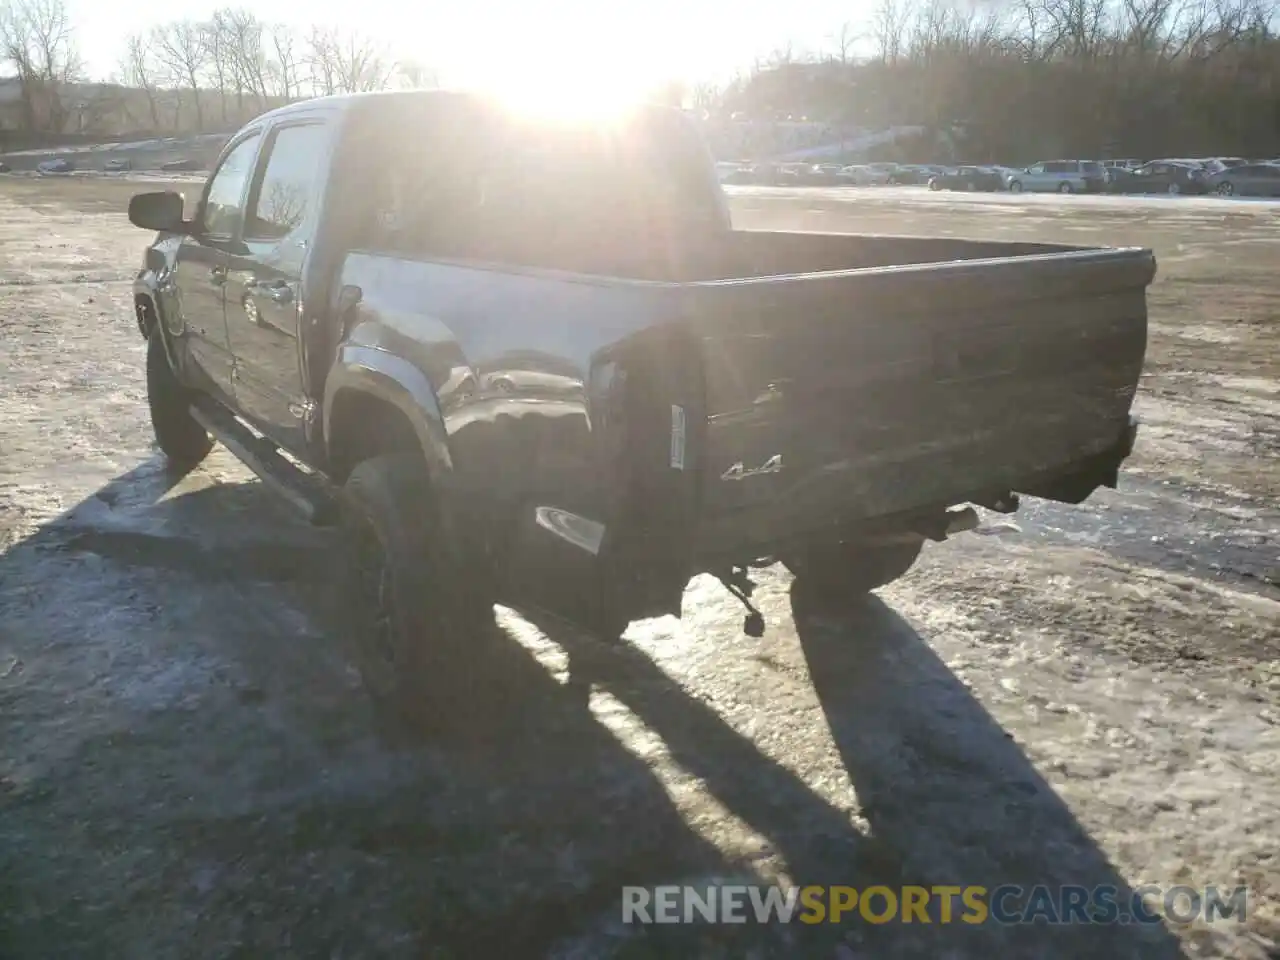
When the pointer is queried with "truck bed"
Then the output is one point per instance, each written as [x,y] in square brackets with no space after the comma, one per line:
[886,374]
[753,254]
[871,376]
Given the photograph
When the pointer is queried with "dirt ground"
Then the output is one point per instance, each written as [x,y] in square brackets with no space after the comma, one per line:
[1084,695]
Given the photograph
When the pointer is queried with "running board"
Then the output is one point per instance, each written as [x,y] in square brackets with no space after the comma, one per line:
[309,493]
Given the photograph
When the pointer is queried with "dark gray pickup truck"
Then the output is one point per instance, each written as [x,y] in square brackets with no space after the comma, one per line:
[535,362]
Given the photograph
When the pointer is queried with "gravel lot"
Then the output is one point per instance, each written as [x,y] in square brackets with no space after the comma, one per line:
[1085,695]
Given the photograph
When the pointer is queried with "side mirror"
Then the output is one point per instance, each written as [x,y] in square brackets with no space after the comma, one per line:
[160,211]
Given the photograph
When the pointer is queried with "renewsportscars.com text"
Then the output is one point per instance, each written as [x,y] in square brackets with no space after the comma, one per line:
[1008,904]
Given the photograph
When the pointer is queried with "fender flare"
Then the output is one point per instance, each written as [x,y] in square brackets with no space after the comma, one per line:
[144,297]
[396,381]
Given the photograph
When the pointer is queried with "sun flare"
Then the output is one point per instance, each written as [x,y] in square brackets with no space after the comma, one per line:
[574,87]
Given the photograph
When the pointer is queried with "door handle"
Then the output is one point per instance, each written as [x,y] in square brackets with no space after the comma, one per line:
[277,291]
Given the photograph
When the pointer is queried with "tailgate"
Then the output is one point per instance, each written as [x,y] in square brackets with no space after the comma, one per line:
[865,392]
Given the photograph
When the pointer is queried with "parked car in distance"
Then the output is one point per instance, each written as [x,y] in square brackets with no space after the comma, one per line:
[911,174]
[661,395]
[823,175]
[1247,180]
[747,174]
[1162,176]
[869,174]
[116,164]
[1060,176]
[57,165]
[968,178]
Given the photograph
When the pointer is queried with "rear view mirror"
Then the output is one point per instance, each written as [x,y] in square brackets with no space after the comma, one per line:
[160,211]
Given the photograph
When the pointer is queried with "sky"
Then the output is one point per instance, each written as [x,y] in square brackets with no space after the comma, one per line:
[504,42]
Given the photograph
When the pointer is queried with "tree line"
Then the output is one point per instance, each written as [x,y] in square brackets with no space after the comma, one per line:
[1033,79]
[1004,79]
[188,75]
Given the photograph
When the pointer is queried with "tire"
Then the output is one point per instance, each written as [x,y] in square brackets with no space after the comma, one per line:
[414,622]
[934,185]
[1174,189]
[1065,187]
[180,438]
[850,570]
[1226,188]
[1015,186]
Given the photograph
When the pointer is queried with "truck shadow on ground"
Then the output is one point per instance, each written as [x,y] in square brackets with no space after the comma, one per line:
[216,730]
[939,779]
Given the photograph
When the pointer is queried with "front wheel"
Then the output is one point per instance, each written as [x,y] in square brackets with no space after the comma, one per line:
[1174,189]
[1065,188]
[1015,186]
[1226,188]
[850,569]
[180,437]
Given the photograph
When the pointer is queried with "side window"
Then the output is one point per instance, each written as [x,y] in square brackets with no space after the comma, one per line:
[288,185]
[1038,168]
[222,212]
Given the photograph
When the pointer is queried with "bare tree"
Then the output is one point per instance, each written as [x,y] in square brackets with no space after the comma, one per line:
[346,62]
[37,40]
[241,35]
[845,41]
[284,66]
[216,41]
[889,28]
[182,49]
[414,75]
[138,70]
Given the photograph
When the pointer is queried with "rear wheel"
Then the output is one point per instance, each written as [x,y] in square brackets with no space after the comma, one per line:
[410,613]
[182,440]
[1174,189]
[850,569]
[1226,188]
[1065,187]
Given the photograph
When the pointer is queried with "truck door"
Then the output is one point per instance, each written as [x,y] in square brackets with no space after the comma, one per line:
[264,273]
[200,271]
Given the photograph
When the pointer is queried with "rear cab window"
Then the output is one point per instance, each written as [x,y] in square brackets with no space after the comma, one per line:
[478,184]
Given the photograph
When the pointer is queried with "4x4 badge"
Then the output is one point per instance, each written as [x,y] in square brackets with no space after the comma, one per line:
[739,472]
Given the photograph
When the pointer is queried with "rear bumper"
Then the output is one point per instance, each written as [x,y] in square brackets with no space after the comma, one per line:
[749,534]
[1076,481]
